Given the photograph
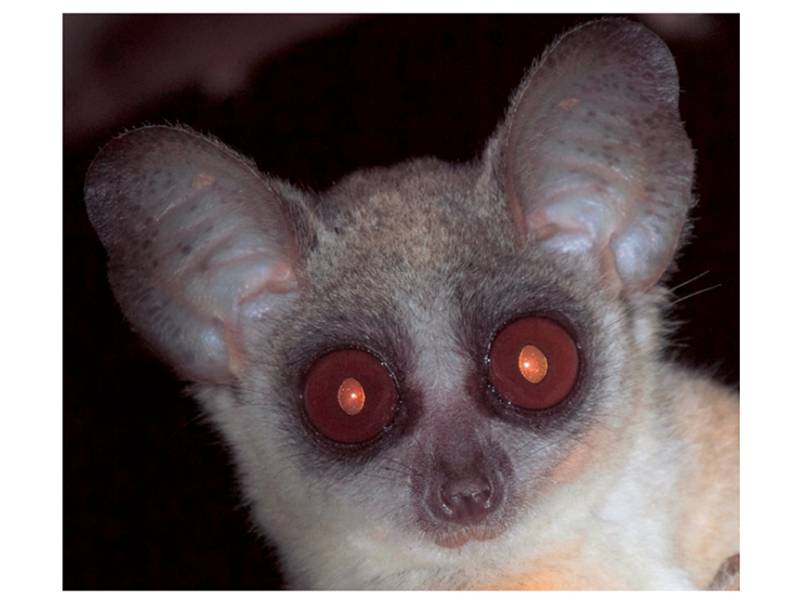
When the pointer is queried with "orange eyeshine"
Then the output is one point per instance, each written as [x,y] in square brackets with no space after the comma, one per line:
[351,396]
[532,363]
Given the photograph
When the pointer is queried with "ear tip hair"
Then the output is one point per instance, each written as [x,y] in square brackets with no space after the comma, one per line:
[631,34]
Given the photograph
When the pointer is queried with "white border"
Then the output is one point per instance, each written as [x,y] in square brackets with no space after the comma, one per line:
[771,272]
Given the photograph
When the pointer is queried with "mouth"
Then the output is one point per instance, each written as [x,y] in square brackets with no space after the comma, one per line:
[455,538]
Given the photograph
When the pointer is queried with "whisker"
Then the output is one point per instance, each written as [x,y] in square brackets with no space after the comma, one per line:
[691,280]
[696,293]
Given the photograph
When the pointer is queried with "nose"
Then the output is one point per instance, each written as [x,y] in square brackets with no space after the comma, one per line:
[466,499]
[460,481]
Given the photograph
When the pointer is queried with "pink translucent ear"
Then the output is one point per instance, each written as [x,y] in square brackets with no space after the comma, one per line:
[198,244]
[595,158]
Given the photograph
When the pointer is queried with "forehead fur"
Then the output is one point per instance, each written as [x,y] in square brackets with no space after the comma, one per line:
[415,215]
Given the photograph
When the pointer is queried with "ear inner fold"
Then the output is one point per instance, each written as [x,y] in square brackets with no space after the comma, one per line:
[596,160]
[198,244]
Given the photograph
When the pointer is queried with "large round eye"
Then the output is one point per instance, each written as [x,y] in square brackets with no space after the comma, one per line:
[533,363]
[349,396]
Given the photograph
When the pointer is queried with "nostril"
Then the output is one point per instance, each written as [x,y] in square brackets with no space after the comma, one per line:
[467,500]
[476,489]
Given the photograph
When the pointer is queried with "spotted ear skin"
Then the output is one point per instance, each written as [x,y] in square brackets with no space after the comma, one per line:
[595,159]
[198,243]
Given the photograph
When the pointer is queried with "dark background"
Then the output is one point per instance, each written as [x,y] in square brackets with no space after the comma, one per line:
[149,495]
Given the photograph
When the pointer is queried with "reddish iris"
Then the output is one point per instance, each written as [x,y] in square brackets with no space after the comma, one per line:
[533,363]
[349,396]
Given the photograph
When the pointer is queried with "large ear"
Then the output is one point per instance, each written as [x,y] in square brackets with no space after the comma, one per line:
[594,157]
[198,243]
